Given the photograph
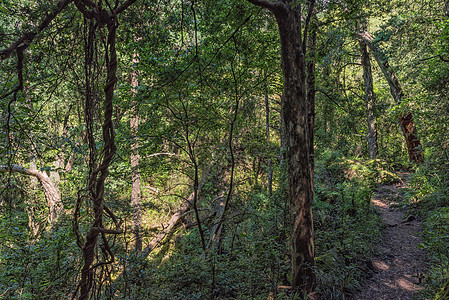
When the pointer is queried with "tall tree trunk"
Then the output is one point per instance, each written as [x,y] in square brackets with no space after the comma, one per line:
[446,8]
[136,200]
[311,92]
[295,113]
[51,193]
[370,99]
[267,137]
[406,120]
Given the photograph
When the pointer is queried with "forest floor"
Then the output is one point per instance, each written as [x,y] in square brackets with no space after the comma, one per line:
[396,271]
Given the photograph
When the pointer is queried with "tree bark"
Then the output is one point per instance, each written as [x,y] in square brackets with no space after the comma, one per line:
[311,92]
[370,99]
[56,209]
[295,114]
[136,199]
[405,120]
[267,137]
[446,8]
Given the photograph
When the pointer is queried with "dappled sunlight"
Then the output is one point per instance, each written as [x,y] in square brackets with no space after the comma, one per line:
[407,284]
[381,265]
[404,284]
[379,203]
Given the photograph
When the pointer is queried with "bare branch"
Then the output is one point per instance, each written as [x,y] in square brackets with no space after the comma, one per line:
[308,18]
[107,231]
[435,56]
[443,59]
[333,100]
[162,153]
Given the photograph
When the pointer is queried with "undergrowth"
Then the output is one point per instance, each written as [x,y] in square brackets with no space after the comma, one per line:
[254,259]
[429,198]
[346,225]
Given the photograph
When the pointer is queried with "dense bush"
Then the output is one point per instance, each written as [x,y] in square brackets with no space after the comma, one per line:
[254,256]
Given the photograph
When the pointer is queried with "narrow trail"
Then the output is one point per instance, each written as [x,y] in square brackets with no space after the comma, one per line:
[397,269]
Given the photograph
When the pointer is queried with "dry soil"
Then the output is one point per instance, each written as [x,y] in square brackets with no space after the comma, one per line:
[397,270]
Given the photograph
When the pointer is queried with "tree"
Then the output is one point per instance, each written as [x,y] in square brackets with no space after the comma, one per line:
[311,89]
[370,99]
[136,199]
[405,119]
[295,113]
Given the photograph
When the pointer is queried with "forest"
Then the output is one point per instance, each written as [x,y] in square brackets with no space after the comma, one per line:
[224,149]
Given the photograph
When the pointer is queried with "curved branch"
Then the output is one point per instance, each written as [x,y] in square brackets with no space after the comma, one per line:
[435,56]
[331,99]
[50,191]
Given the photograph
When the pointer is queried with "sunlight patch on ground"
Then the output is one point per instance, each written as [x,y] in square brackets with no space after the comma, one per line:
[381,265]
[406,284]
[380,203]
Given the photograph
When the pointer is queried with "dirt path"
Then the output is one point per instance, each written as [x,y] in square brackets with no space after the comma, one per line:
[397,270]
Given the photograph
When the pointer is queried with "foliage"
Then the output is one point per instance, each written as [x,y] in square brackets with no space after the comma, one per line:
[43,268]
[437,246]
[347,228]
[429,200]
